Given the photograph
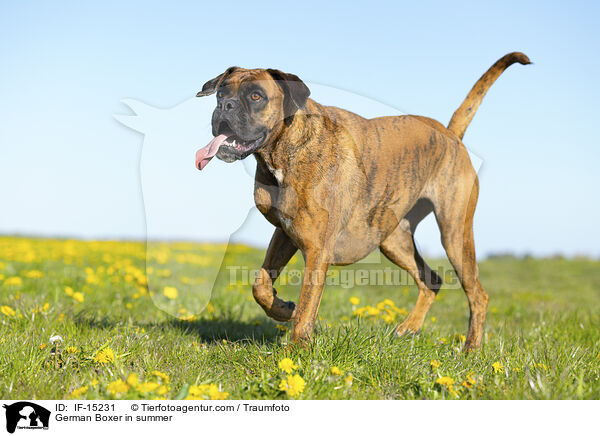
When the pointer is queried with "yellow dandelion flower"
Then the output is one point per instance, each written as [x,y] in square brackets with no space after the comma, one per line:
[34,274]
[434,364]
[448,383]
[78,296]
[105,355]
[372,311]
[61,317]
[71,350]
[497,366]
[360,312]
[132,380]
[13,281]
[92,279]
[46,307]
[94,382]
[470,381]
[197,391]
[287,365]
[79,392]
[354,301]
[147,387]
[215,394]
[43,346]
[161,375]
[117,387]
[460,338]
[163,273]
[335,370]
[388,318]
[162,390]
[8,311]
[69,291]
[189,317]
[445,381]
[433,319]
[210,308]
[348,379]
[293,385]
[170,292]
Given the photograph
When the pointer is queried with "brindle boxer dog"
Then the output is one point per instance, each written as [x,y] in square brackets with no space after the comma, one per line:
[337,186]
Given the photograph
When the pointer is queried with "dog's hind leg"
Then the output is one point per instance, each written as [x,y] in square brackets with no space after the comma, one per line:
[454,215]
[280,251]
[400,248]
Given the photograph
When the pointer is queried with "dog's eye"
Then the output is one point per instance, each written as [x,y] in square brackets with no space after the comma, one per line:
[255,96]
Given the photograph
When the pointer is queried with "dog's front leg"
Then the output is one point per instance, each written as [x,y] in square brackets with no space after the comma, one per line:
[305,315]
[280,251]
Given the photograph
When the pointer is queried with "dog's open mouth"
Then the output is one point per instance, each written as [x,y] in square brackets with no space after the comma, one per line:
[239,144]
[232,148]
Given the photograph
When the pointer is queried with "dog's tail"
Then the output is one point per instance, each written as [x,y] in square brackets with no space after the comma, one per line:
[464,114]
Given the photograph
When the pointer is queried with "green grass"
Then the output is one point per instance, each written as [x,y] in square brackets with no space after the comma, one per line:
[543,328]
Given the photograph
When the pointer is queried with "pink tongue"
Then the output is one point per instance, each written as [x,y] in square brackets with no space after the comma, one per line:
[205,154]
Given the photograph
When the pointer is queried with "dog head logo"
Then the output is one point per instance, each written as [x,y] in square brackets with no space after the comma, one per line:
[26,415]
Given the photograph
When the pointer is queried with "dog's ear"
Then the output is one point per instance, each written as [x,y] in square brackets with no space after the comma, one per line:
[212,85]
[295,91]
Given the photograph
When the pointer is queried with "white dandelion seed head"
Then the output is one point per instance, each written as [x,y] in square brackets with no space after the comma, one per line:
[55,338]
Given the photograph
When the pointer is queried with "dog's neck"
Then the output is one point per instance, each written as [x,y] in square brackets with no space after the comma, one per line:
[290,147]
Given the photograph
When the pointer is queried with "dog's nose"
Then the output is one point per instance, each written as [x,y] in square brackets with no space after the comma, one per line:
[228,104]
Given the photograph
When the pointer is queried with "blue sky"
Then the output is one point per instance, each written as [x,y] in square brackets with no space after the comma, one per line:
[67,167]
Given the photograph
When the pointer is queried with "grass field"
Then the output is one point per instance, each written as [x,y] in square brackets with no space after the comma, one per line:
[119,340]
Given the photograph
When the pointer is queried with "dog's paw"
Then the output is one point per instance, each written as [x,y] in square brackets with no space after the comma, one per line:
[407,329]
[282,311]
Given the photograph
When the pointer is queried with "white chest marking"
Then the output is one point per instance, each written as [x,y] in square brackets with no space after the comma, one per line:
[277,173]
[279,176]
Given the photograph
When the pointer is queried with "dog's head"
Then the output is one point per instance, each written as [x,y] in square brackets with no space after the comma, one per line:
[253,106]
